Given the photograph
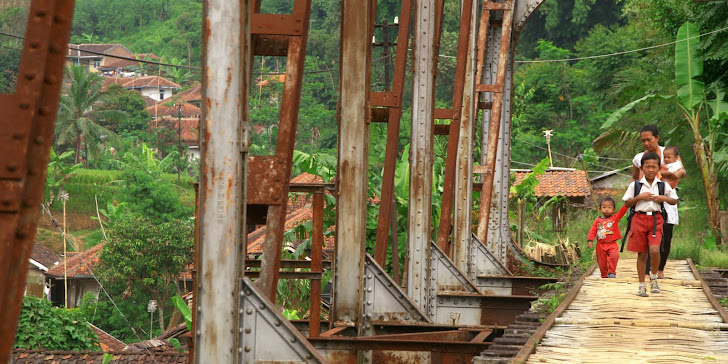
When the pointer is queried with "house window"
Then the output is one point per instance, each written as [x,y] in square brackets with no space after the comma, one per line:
[76,62]
[161,94]
[97,63]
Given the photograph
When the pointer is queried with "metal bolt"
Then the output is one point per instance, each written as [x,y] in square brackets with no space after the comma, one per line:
[240,311]
[240,350]
[277,323]
[240,330]
[249,311]
[24,105]
[247,348]
[309,356]
[247,330]
[262,306]
[199,308]
[293,339]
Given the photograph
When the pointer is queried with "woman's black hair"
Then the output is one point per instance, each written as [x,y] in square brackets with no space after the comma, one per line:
[651,128]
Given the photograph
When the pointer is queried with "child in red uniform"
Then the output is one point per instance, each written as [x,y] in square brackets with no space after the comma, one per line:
[606,230]
[647,224]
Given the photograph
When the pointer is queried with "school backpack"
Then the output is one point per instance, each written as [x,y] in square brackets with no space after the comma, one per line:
[637,188]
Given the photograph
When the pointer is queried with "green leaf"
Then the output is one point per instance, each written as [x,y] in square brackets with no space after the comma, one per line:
[180,304]
[688,66]
[617,115]
[719,106]
[108,358]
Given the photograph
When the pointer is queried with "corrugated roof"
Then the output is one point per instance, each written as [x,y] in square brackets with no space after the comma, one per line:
[569,183]
[21,356]
[77,266]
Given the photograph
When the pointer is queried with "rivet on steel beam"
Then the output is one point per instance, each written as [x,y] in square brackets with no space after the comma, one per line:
[240,311]
[34,45]
[199,332]
[24,105]
[30,76]
[247,330]
[50,80]
[54,49]
[309,356]
[247,348]
[249,311]
[240,330]
[59,19]
[6,203]
[262,306]
[293,339]
[39,140]
[11,167]
[240,350]
[40,14]
[277,323]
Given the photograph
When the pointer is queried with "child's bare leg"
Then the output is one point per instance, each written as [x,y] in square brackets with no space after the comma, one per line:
[641,265]
[654,258]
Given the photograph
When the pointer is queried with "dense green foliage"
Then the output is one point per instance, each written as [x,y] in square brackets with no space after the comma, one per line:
[42,326]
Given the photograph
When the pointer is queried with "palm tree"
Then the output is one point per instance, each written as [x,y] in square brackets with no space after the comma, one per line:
[83,107]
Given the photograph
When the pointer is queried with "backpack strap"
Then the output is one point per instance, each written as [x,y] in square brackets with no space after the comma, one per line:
[661,187]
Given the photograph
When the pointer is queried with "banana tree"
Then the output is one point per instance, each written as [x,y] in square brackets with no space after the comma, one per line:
[691,100]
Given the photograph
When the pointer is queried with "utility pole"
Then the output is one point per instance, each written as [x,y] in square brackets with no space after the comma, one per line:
[387,55]
[179,141]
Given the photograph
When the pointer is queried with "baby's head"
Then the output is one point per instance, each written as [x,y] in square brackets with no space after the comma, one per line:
[670,154]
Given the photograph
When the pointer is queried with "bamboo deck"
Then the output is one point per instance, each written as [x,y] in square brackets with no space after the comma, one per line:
[608,323]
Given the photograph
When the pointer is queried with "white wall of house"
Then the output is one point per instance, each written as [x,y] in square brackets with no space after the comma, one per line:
[156,94]
[193,152]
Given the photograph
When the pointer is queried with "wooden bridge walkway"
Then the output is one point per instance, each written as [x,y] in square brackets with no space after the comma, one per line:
[608,323]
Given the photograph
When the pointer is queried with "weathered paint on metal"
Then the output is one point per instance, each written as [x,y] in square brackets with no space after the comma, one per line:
[494,125]
[290,102]
[266,174]
[33,109]
[463,201]
[453,146]
[317,242]
[419,286]
[388,212]
[353,162]
[225,83]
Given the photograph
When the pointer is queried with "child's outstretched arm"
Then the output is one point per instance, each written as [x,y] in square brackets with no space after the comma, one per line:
[621,212]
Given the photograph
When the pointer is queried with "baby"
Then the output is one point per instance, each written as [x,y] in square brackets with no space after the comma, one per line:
[670,157]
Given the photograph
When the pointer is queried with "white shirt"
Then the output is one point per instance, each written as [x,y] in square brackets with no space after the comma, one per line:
[647,205]
[674,166]
[637,160]
[672,215]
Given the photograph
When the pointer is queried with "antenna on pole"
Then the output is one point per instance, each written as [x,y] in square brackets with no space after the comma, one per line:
[548,134]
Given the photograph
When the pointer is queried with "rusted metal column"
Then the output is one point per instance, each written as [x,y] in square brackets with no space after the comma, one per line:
[317,242]
[353,163]
[454,136]
[224,148]
[388,212]
[419,287]
[463,202]
[290,102]
[494,126]
[26,135]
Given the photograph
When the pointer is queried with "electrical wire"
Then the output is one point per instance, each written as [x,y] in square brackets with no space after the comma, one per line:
[620,53]
[101,286]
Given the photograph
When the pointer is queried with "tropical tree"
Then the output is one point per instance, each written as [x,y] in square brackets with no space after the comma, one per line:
[706,124]
[82,113]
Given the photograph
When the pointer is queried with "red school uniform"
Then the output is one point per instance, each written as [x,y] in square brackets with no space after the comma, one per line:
[606,231]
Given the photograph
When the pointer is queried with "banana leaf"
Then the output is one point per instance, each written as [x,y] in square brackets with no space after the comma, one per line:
[688,66]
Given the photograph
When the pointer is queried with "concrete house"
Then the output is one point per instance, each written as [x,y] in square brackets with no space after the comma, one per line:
[42,259]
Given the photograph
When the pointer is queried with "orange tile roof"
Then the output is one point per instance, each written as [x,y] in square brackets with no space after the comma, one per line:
[108,342]
[194,93]
[116,63]
[569,183]
[149,81]
[190,128]
[77,266]
[162,109]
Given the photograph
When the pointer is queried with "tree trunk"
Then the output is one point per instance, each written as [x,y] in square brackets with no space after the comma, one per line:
[77,150]
[707,172]
[160,304]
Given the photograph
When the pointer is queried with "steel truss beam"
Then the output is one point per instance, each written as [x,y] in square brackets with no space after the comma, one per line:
[26,127]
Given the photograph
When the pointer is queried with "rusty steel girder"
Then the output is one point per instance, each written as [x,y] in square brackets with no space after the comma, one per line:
[27,134]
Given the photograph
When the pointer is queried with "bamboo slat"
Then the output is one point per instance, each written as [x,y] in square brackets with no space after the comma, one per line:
[608,323]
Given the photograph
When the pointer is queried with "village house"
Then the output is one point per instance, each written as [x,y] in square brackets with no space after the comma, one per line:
[41,259]
[87,55]
[78,272]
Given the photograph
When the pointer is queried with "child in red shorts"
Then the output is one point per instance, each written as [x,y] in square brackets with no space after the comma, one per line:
[646,231]
[606,230]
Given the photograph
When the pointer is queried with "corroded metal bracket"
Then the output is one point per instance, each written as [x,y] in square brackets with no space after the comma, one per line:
[267,336]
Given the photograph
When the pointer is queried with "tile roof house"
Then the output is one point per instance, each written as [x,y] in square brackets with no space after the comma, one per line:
[87,55]
[155,87]
[192,95]
[41,260]
[78,270]
[107,342]
[21,356]
[116,66]
[567,182]
[299,210]
[185,109]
